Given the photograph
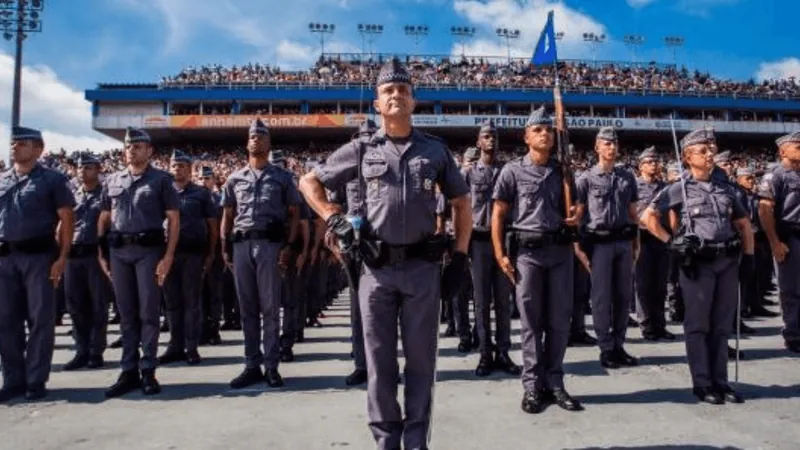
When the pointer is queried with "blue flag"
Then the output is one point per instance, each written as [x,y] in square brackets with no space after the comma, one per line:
[545,52]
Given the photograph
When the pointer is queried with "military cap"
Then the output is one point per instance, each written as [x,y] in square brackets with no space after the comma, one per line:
[134,135]
[745,171]
[607,134]
[472,154]
[180,156]
[87,159]
[488,127]
[538,117]
[393,72]
[22,134]
[722,157]
[206,172]
[700,136]
[257,127]
[789,138]
[277,156]
[648,154]
[673,167]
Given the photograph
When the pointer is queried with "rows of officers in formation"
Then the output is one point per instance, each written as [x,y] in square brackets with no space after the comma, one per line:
[157,241]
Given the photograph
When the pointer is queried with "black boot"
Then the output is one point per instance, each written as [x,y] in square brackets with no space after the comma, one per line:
[485,365]
[78,362]
[359,376]
[150,385]
[128,381]
[504,362]
[247,378]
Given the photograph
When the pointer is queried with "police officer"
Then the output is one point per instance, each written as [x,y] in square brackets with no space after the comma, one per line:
[34,201]
[710,216]
[724,162]
[491,285]
[674,294]
[538,256]
[745,177]
[652,265]
[135,202]
[402,256]
[259,199]
[213,280]
[193,258]
[612,245]
[779,211]
[87,287]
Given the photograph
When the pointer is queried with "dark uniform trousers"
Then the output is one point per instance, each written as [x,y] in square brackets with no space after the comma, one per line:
[765,265]
[544,280]
[304,296]
[291,290]
[357,331]
[258,286]
[789,288]
[491,285]
[674,293]
[182,296]
[612,292]
[710,312]
[133,274]
[650,281]
[408,291]
[87,290]
[461,308]
[26,296]
[213,292]
[581,290]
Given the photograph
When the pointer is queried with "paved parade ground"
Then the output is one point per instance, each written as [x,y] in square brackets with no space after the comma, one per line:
[645,407]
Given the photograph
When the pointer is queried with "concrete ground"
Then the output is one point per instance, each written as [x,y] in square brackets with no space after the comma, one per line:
[646,407]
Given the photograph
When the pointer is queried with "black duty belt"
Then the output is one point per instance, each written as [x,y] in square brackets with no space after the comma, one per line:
[533,240]
[37,245]
[624,233]
[377,253]
[481,235]
[713,250]
[272,234]
[83,251]
[149,238]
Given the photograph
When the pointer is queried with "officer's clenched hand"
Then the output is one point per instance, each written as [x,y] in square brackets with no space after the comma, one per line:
[284,256]
[57,270]
[300,261]
[343,230]
[507,268]
[162,270]
[226,258]
[779,251]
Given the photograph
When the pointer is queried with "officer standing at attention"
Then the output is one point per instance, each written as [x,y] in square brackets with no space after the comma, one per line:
[779,211]
[612,245]
[86,286]
[213,280]
[402,254]
[259,200]
[193,258]
[746,178]
[134,204]
[652,266]
[491,285]
[710,268]
[34,202]
[538,257]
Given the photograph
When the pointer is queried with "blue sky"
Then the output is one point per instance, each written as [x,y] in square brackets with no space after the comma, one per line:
[90,41]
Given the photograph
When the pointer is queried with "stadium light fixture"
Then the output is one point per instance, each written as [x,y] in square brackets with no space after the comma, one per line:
[594,40]
[417,32]
[369,32]
[674,42]
[508,34]
[18,19]
[633,41]
[322,29]
[461,34]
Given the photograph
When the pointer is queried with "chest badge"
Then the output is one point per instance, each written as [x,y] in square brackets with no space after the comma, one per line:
[428,184]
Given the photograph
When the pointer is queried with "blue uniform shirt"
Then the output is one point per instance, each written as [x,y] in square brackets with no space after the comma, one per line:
[29,203]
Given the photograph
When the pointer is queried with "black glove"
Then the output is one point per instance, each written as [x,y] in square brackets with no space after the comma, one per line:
[747,268]
[453,275]
[343,230]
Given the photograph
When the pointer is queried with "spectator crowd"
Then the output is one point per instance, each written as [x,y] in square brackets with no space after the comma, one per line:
[478,72]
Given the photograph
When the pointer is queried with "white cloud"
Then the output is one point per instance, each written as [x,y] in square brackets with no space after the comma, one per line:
[529,17]
[702,8]
[47,103]
[639,3]
[784,68]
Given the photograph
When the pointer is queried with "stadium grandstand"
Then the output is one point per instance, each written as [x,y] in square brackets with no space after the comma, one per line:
[206,109]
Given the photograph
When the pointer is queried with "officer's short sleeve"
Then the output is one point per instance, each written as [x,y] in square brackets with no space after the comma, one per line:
[292,194]
[105,200]
[340,167]
[209,206]
[228,196]
[62,193]
[169,195]
[739,209]
[634,187]
[668,198]
[582,189]
[505,189]
[450,179]
[768,186]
